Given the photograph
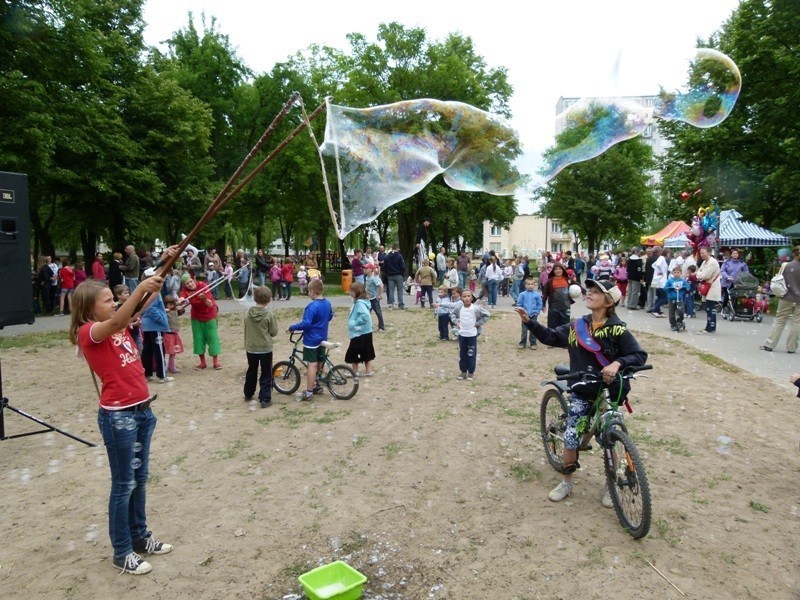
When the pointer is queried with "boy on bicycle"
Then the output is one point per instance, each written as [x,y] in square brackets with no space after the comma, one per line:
[316,316]
[616,349]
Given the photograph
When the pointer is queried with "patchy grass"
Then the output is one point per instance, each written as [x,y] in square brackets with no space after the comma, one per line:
[716,361]
[391,450]
[525,472]
[673,445]
[35,341]
[758,507]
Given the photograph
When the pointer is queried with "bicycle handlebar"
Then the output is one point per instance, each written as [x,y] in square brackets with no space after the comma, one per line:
[627,373]
[294,333]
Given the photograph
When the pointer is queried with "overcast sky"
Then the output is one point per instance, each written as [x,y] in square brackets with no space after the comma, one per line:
[551,49]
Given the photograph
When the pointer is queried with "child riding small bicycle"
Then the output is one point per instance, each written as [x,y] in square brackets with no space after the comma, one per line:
[316,316]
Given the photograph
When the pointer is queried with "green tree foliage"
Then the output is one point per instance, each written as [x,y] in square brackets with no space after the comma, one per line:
[605,198]
[748,162]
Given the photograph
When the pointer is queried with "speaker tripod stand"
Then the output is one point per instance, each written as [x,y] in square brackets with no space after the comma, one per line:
[48,427]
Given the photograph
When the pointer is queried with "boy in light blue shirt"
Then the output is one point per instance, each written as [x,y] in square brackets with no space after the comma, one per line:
[374,287]
[531,301]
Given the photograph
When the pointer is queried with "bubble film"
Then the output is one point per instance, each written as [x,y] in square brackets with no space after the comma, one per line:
[387,153]
[592,126]
[713,86]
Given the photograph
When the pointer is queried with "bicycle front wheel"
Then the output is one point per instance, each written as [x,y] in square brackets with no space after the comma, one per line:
[342,382]
[553,423]
[285,377]
[627,483]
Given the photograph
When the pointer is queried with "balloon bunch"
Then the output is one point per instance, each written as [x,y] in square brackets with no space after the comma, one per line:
[703,227]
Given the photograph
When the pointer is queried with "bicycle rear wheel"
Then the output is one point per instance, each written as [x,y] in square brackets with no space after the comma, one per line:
[627,483]
[285,377]
[342,382]
[553,423]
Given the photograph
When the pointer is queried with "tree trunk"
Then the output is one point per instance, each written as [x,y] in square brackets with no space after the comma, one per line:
[88,247]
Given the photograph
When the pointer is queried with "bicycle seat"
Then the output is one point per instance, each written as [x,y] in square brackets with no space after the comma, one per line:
[561,369]
[329,345]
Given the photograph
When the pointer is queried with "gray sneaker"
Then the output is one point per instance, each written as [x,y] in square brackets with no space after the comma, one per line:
[606,499]
[561,491]
[462,376]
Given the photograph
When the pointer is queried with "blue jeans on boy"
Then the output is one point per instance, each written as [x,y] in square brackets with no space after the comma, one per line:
[375,304]
[467,353]
[122,430]
[444,326]
[689,304]
[524,332]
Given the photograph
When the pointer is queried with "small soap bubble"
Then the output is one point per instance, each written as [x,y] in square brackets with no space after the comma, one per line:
[99,461]
[91,533]
[192,426]
[70,546]
[174,470]
[53,466]
[336,543]
[137,447]
[252,405]
[48,440]
[25,476]
[136,463]
[218,414]
[80,418]
[130,423]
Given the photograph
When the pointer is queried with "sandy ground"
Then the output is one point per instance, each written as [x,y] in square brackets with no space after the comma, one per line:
[431,487]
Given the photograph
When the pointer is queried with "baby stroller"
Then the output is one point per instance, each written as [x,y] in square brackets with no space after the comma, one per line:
[742,300]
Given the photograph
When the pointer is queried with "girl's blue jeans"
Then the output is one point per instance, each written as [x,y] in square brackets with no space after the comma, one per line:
[126,435]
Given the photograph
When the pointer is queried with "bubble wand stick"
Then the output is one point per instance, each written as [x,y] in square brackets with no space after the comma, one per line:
[226,194]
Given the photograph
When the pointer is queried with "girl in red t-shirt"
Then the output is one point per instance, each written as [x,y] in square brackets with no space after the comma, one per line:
[125,418]
[67,276]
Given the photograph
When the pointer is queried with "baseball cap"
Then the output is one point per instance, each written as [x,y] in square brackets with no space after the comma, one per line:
[609,288]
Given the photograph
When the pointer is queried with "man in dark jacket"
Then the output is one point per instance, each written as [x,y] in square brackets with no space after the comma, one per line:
[635,274]
[395,267]
[644,301]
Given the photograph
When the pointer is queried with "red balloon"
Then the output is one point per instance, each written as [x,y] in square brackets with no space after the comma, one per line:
[685,196]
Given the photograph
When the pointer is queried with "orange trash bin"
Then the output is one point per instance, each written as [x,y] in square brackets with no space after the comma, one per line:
[347,279]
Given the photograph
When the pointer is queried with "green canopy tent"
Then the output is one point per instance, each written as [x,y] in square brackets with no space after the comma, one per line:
[793,231]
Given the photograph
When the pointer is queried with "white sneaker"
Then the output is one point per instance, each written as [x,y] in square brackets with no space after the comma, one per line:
[606,500]
[561,491]
[165,379]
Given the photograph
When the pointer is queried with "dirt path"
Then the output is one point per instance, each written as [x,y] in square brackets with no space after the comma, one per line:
[431,487]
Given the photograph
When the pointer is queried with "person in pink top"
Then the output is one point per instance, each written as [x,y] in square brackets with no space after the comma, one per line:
[125,418]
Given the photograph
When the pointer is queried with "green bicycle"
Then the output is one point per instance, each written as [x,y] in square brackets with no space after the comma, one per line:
[341,380]
[625,474]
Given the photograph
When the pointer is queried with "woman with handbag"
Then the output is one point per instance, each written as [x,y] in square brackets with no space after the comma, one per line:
[788,308]
[710,288]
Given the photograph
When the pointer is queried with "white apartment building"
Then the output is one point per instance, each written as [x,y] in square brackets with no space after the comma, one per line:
[528,235]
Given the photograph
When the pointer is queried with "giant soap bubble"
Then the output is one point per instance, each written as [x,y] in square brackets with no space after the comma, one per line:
[387,153]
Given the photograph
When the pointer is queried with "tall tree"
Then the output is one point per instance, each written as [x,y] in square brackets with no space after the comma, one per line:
[749,161]
[603,198]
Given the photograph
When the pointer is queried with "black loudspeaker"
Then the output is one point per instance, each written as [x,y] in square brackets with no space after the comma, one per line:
[16,288]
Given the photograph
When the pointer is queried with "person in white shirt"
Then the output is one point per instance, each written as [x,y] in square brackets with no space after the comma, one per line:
[660,276]
[468,320]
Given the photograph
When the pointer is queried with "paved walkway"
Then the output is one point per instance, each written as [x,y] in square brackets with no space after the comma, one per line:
[736,343]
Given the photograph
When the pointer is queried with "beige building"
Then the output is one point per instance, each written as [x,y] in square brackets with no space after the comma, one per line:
[528,234]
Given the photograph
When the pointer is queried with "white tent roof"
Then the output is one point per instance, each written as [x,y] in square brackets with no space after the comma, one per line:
[733,231]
